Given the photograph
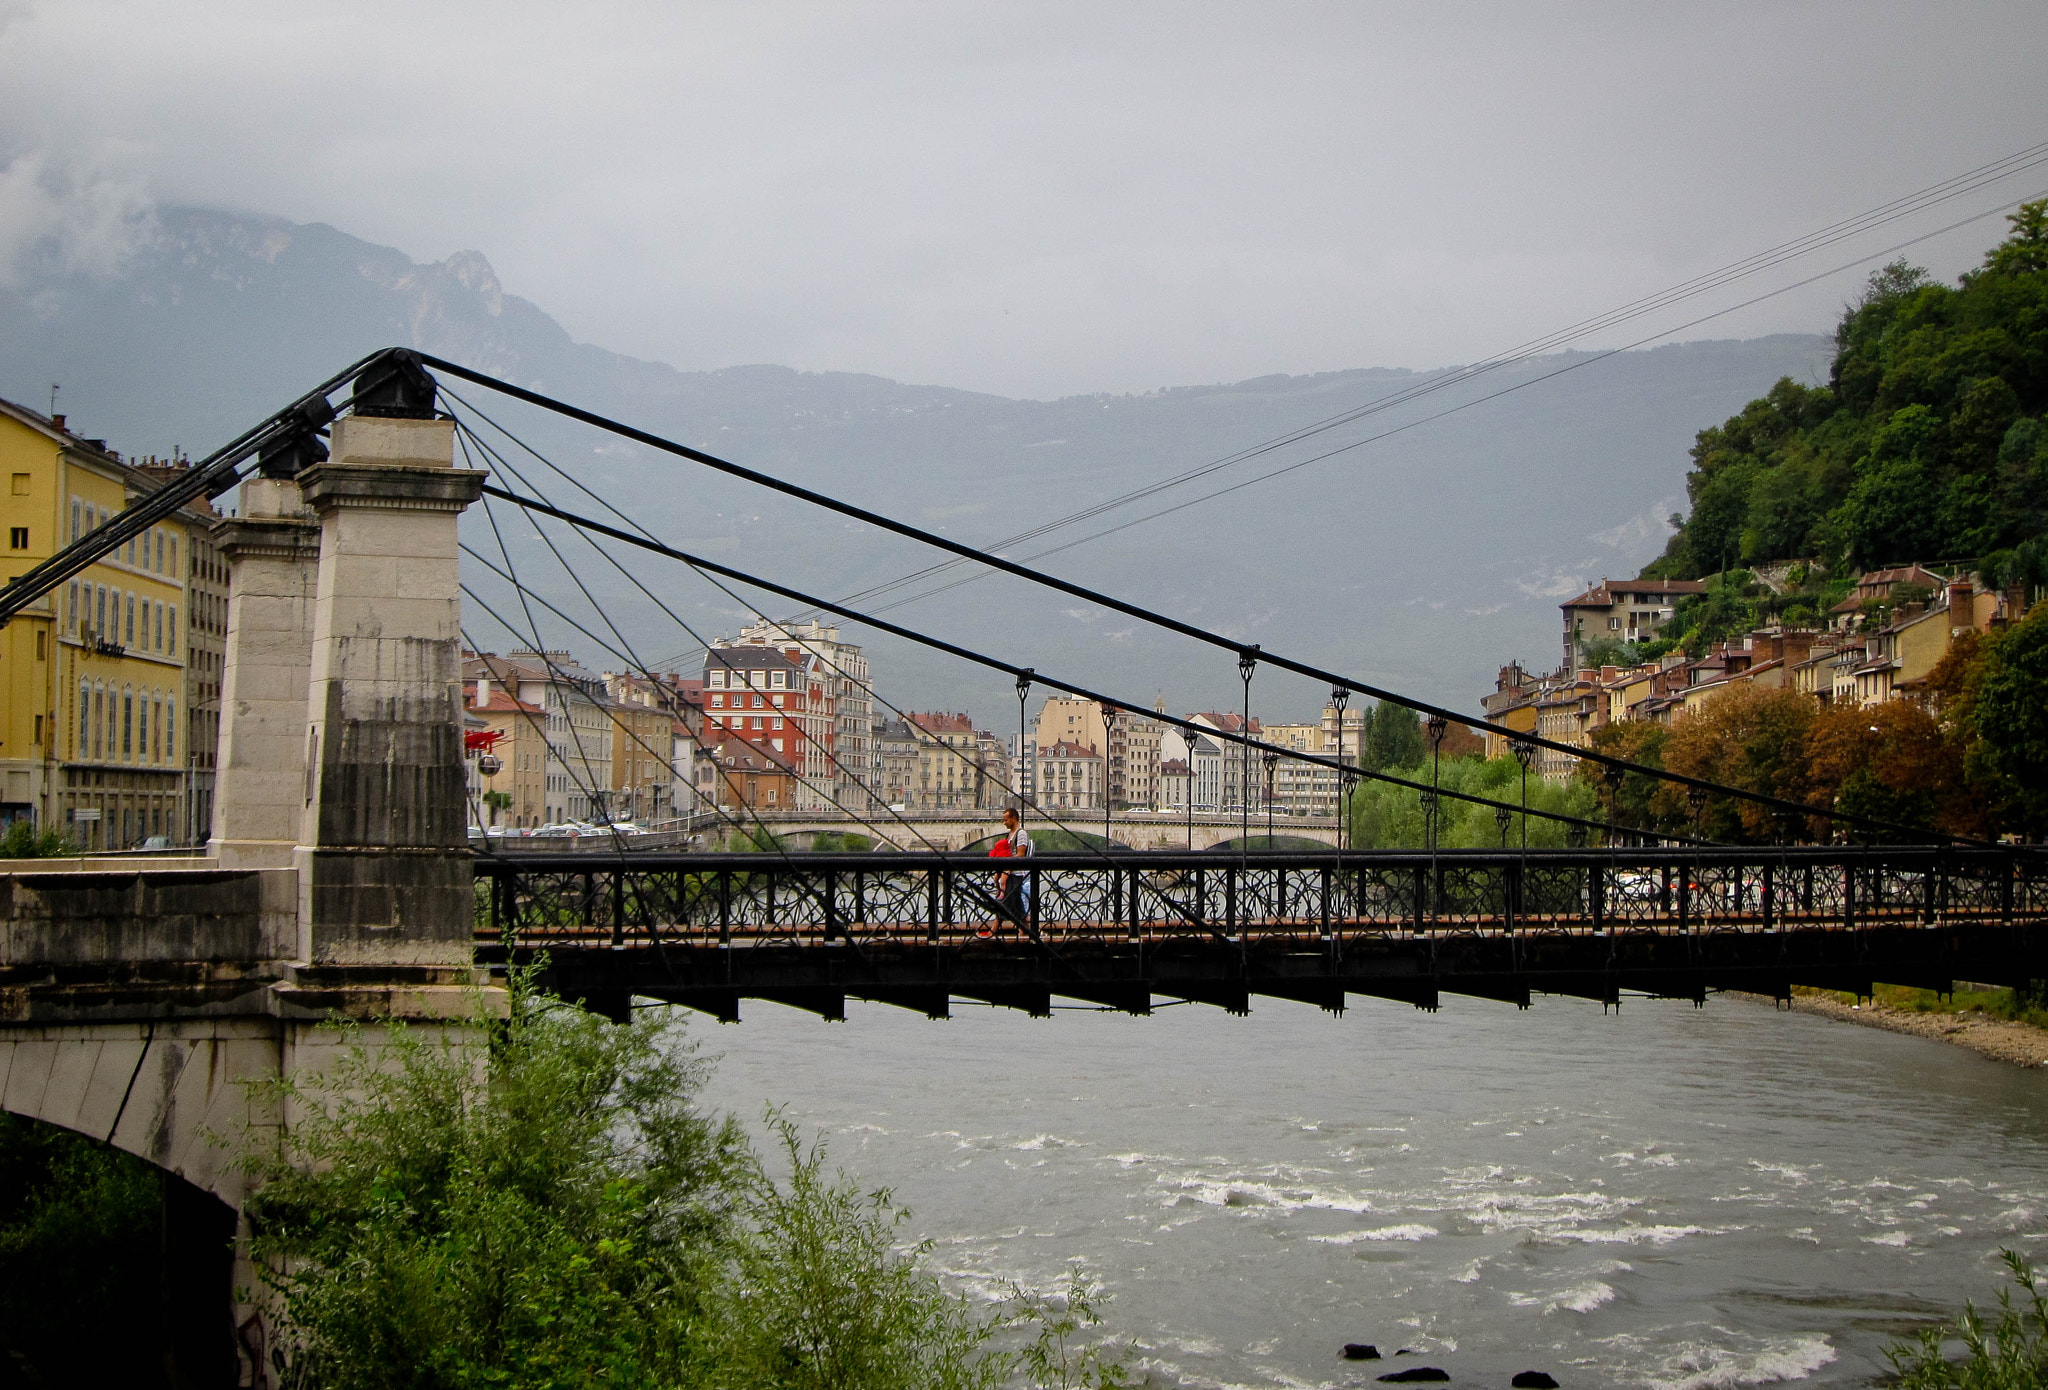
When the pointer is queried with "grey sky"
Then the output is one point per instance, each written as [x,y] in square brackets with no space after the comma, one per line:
[1036,199]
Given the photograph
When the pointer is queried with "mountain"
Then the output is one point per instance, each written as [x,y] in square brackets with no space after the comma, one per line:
[1421,561]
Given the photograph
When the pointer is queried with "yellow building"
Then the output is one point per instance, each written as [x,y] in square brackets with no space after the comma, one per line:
[92,737]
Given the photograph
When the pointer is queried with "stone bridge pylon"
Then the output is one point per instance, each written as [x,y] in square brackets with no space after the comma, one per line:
[139,997]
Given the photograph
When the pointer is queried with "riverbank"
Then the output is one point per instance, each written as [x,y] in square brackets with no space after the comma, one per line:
[2004,1040]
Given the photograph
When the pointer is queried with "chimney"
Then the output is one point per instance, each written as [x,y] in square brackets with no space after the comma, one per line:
[1959,594]
[57,421]
[483,691]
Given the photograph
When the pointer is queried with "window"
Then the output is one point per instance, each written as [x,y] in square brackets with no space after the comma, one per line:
[100,623]
[21,485]
[41,654]
[776,701]
[718,680]
[83,748]
[718,702]
[17,538]
[71,609]
[159,552]
[99,723]
[39,731]
[157,707]
[75,508]
[142,727]
[159,627]
[171,626]
[1614,624]
[128,550]
[130,640]
[170,731]
[778,724]
[174,556]
[777,679]
[128,723]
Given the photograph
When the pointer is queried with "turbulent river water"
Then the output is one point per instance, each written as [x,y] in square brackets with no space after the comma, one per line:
[1660,1196]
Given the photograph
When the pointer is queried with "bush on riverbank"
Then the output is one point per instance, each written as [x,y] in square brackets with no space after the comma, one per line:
[2008,1353]
[551,1208]
[2016,1006]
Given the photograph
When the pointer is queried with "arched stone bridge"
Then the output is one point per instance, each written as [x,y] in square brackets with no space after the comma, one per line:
[1147,830]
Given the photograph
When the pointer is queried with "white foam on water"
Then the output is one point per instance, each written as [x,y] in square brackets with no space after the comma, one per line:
[1235,1192]
[1583,1298]
[1047,1141]
[1411,1231]
[1791,1172]
[1698,1366]
[1892,1238]
[1645,1235]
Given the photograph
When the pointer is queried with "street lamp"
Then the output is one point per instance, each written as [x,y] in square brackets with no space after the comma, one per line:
[1247,662]
[1340,696]
[1525,753]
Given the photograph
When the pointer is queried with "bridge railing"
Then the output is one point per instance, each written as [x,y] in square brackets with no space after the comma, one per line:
[911,899]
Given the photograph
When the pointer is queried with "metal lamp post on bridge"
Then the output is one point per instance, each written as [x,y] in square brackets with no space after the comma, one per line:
[1247,662]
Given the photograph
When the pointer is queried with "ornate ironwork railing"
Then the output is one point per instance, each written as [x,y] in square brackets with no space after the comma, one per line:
[599,901]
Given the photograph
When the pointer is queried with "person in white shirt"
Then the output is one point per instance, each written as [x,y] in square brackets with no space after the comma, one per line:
[1016,886]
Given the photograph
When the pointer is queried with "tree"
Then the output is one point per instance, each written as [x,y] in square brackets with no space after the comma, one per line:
[1751,737]
[2008,711]
[1393,739]
[1889,763]
[1918,449]
[540,1202]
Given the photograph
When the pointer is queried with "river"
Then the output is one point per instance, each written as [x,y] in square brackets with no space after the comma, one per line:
[1655,1196]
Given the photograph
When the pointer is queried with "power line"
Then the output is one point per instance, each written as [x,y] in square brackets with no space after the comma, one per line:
[1881,215]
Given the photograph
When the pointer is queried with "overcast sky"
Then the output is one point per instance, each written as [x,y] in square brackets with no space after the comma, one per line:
[1039,199]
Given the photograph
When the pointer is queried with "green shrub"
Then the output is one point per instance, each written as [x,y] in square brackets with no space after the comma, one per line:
[2010,1354]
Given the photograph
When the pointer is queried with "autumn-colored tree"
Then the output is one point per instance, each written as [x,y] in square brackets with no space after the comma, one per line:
[1752,737]
[1641,802]
[1890,762]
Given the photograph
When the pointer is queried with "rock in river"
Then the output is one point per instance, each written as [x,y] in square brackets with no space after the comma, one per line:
[1361,1351]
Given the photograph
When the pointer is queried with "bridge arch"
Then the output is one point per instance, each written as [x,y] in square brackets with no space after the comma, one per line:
[167,1092]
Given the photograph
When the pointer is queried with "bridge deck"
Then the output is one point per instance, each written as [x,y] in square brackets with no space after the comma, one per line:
[920,930]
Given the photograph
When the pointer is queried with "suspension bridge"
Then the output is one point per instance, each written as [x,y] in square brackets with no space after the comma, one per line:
[140,998]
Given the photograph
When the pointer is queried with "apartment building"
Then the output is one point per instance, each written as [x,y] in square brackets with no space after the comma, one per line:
[1622,610]
[1201,760]
[94,738]
[576,720]
[514,796]
[958,767]
[1242,780]
[1129,736]
[644,774]
[843,667]
[779,702]
[1072,777]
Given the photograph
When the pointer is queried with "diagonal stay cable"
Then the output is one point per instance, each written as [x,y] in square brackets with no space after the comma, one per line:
[1079,837]
[633,658]
[1096,596]
[997,664]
